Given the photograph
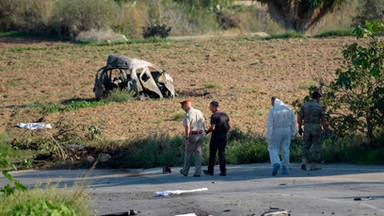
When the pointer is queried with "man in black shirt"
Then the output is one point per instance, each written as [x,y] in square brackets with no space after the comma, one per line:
[219,128]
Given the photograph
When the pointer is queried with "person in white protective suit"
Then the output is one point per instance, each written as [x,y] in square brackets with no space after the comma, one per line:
[281,129]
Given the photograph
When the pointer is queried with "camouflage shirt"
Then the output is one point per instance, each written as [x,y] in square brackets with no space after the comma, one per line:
[311,112]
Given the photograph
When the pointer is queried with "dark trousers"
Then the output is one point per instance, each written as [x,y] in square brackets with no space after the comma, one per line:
[217,146]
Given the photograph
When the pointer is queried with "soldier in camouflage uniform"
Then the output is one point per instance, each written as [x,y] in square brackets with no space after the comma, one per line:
[312,116]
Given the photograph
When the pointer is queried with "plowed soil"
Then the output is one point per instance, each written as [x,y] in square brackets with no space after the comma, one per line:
[241,73]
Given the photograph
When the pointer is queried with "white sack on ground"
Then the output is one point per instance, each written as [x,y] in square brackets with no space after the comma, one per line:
[169,192]
[34,126]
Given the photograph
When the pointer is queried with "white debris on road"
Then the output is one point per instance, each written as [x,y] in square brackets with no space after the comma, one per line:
[169,192]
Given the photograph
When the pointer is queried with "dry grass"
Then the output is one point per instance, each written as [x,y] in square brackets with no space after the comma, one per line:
[248,72]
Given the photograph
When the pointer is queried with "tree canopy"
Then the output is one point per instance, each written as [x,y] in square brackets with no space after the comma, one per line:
[355,99]
[300,15]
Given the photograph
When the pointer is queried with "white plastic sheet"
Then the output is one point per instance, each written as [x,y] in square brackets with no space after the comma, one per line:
[189,214]
[169,192]
[34,126]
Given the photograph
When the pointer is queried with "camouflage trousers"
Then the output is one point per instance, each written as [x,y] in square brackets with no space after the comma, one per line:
[312,139]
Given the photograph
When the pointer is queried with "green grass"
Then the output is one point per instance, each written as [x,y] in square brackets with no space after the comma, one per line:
[131,41]
[119,96]
[14,82]
[335,33]
[14,154]
[21,49]
[116,96]
[289,34]
[178,116]
[307,84]
[243,147]
[211,85]
[72,105]
[48,201]
[16,34]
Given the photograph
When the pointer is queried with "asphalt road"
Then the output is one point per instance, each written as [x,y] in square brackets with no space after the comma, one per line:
[337,189]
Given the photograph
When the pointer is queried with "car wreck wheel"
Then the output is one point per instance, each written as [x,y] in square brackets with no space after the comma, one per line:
[99,91]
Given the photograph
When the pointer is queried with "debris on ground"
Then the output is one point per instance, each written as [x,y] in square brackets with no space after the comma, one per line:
[170,192]
[34,126]
[188,214]
[362,198]
[276,212]
[130,212]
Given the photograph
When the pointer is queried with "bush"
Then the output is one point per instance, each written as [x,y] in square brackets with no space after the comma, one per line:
[331,33]
[119,96]
[256,19]
[158,150]
[34,16]
[70,17]
[246,147]
[227,19]
[156,31]
[289,34]
[8,11]
[100,36]
[49,201]
[131,17]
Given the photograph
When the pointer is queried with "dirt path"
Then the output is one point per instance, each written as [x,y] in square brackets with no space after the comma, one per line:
[246,190]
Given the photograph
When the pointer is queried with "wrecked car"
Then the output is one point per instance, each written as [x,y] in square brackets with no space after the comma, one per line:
[142,78]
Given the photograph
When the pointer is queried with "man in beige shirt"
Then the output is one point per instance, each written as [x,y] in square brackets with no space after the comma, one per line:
[193,123]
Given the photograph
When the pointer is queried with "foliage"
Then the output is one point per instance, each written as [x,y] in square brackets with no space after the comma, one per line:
[300,15]
[227,19]
[118,96]
[8,11]
[370,10]
[34,16]
[246,147]
[67,106]
[357,93]
[332,33]
[211,85]
[205,3]
[156,30]
[9,189]
[70,17]
[47,201]
[131,17]
[152,151]
[289,34]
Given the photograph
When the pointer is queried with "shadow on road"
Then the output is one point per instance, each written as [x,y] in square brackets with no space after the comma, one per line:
[126,177]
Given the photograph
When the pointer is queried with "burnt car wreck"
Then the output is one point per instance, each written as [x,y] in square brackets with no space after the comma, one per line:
[142,78]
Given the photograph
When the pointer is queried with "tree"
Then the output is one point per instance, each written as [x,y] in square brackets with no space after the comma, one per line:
[300,15]
[356,95]
[370,10]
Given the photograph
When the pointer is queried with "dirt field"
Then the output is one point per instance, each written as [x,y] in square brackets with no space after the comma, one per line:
[243,74]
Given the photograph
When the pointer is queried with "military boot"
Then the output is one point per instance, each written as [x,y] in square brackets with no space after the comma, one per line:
[304,164]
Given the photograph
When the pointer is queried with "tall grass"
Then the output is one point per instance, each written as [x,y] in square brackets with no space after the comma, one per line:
[254,18]
[288,34]
[69,18]
[155,150]
[132,17]
[243,147]
[335,33]
[48,201]
[13,153]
